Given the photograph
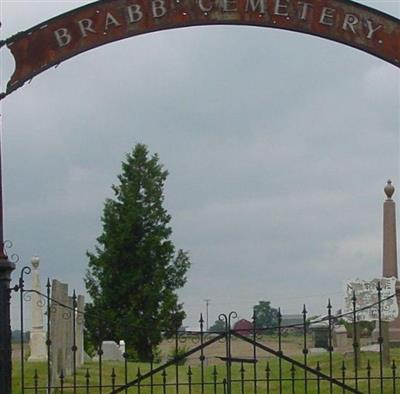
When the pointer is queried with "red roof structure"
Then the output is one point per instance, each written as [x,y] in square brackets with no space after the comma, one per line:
[243,327]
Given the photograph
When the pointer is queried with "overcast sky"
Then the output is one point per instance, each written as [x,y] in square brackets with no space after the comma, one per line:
[278,146]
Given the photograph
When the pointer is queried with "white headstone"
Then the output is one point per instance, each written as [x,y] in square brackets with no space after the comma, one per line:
[58,330]
[122,346]
[111,352]
[367,297]
[62,333]
[370,348]
[80,322]
[340,338]
[37,341]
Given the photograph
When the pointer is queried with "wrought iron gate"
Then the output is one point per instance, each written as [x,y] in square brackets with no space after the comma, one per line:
[233,361]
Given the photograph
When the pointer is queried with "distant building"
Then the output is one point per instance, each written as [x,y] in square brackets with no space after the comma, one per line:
[290,320]
[243,327]
[292,323]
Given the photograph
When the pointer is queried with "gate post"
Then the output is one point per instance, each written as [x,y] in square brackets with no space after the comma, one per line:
[6,267]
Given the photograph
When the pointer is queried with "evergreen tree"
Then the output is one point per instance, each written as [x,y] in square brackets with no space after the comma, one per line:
[135,271]
[218,326]
[266,315]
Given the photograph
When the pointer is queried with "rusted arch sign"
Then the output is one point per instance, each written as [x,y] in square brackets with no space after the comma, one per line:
[99,23]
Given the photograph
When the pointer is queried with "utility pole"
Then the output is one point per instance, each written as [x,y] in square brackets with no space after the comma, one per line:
[207,301]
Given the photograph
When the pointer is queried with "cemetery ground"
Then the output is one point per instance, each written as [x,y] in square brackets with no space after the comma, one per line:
[292,346]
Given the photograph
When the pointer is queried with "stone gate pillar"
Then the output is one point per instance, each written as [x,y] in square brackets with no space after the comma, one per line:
[6,267]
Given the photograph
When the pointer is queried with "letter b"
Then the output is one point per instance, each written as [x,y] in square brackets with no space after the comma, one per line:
[158,8]
[135,13]
[63,37]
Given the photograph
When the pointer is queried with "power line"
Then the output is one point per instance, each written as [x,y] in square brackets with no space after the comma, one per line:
[244,301]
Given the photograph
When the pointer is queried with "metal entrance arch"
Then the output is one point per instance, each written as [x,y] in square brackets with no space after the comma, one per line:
[67,35]
[63,37]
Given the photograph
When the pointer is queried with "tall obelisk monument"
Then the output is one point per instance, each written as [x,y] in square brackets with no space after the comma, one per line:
[38,335]
[390,267]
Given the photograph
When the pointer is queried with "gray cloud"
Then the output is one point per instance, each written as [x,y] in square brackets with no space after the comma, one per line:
[278,147]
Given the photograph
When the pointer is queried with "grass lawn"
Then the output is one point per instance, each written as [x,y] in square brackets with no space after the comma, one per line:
[238,386]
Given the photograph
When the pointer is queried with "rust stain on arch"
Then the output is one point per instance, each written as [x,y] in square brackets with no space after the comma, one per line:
[105,21]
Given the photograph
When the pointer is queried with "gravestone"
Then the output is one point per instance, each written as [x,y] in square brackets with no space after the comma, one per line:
[68,335]
[80,323]
[62,331]
[320,334]
[58,330]
[375,348]
[122,346]
[341,342]
[37,340]
[389,258]
[111,351]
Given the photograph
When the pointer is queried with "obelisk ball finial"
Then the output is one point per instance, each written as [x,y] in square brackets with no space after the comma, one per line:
[35,262]
[389,189]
